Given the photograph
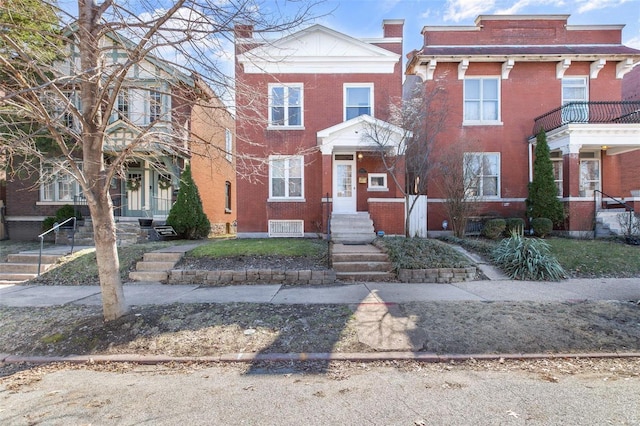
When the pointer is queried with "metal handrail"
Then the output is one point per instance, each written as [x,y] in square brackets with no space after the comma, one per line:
[56,228]
[627,207]
[328,233]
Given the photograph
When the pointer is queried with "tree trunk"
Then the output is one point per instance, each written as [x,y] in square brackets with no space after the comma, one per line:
[104,229]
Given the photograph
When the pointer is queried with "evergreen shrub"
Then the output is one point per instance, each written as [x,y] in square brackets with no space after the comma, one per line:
[542,226]
[187,215]
[493,228]
[514,224]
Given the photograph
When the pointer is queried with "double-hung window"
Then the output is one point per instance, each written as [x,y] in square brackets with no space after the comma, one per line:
[575,95]
[57,185]
[482,174]
[228,145]
[155,105]
[122,105]
[286,177]
[358,100]
[481,100]
[285,105]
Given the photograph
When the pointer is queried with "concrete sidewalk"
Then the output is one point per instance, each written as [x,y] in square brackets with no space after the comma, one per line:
[627,289]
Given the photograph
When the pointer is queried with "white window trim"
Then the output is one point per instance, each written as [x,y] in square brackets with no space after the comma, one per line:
[270,125]
[499,176]
[562,86]
[498,121]
[346,86]
[56,195]
[150,104]
[273,198]
[228,145]
[371,187]
[561,181]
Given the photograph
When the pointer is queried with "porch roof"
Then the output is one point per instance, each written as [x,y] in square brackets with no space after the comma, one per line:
[363,133]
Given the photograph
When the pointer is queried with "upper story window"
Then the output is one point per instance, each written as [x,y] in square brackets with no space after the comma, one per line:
[228,144]
[481,100]
[575,93]
[285,105]
[286,177]
[358,100]
[155,105]
[482,174]
[57,184]
[122,105]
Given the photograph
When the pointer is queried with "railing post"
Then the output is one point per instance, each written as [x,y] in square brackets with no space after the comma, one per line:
[328,233]
[40,255]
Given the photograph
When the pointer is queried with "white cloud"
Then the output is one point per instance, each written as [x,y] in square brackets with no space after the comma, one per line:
[458,10]
[589,5]
[523,4]
[633,42]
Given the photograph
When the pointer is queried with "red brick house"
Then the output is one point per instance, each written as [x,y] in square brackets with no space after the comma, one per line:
[505,78]
[303,102]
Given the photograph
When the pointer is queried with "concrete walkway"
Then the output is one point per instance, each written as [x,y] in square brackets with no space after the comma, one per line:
[627,289]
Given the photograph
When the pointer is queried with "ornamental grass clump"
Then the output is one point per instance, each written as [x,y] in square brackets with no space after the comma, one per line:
[527,259]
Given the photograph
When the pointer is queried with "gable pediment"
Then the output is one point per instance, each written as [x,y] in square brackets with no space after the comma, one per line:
[359,134]
[318,49]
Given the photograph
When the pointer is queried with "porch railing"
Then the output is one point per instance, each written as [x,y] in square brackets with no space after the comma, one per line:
[588,112]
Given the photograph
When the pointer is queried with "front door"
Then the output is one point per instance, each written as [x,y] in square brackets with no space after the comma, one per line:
[135,193]
[344,183]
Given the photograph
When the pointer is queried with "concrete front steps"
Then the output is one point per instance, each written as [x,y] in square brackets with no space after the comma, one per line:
[127,233]
[361,263]
[155,266]
[353,228]
[608,223]
[22,267]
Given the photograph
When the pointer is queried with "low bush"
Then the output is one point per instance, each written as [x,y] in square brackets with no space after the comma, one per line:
[493,228]
[541,226]
[421,253]
[527,259]
[514,224]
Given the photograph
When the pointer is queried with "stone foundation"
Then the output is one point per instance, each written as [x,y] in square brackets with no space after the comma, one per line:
[441,275]
[252,276]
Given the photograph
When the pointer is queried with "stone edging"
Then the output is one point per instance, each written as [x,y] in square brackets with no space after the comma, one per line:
[261,276]
[437,275]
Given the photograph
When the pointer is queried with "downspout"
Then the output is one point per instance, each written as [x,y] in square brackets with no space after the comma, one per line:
[530,162]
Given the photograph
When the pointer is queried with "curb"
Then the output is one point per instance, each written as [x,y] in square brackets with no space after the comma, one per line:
[301,357]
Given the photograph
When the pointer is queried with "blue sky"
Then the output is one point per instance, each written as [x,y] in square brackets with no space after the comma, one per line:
[362,18]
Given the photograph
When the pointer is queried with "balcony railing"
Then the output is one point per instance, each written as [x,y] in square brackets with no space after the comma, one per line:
[588,112]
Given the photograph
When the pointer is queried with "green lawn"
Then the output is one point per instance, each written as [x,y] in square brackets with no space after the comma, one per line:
[261,247]
[579,258]
[596,258]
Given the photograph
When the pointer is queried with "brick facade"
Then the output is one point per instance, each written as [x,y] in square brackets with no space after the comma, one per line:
[323,107]
[528,56]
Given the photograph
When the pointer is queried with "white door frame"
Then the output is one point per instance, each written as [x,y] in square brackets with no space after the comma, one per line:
[344,199]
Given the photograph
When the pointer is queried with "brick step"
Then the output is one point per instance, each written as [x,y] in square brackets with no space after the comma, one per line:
[23,268]
[149,276]
[360,257]
[365,276]
[162,257]
[16,277]
[31,258]
[154,266]
[361,266]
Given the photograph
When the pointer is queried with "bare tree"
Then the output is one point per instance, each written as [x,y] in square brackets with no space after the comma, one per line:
[66,105]
[457,180]
[406,142]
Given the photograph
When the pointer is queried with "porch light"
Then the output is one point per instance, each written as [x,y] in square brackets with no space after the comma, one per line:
[604,147]
[445,224]
[360,156]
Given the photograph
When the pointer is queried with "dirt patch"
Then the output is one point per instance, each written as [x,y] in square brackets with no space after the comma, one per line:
[215,329]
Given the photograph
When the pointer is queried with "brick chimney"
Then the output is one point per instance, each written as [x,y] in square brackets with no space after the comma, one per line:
[392,28]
